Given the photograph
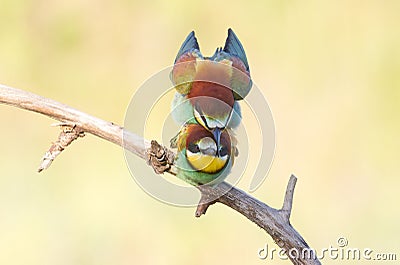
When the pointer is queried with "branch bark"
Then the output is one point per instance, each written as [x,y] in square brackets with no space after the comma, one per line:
[274,221]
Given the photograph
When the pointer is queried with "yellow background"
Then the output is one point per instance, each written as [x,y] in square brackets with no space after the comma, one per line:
[329,69]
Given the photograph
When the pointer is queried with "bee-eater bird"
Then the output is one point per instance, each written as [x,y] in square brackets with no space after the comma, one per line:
[208,88]
[199,159]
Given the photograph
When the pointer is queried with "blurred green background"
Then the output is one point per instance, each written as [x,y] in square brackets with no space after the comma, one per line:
[329,69]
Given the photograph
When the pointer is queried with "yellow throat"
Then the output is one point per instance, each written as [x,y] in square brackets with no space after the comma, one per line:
[207,163]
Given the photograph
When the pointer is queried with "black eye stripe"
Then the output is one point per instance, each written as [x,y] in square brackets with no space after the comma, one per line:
[194,148]
[223,151]
[204,120]
[202,116]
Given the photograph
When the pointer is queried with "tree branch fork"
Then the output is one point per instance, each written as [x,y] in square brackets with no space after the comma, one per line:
[74,124]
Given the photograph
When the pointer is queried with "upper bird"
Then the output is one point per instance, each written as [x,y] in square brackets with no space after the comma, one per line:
[208,88]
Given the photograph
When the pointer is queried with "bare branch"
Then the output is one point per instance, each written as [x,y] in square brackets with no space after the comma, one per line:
[66,137]
[88,123]
[274,222]
[288,200]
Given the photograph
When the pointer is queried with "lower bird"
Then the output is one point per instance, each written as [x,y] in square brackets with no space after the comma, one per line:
[199,159]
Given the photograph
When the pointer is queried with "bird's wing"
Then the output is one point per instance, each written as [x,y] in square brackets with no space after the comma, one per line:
[184,69]
[241,82]
[234,47]
[190,44]
[181,138]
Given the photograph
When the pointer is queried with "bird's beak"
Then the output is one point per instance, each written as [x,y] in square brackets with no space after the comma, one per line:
[217,136]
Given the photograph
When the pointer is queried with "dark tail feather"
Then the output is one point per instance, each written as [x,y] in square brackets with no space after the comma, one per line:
[234,47]
[189,44]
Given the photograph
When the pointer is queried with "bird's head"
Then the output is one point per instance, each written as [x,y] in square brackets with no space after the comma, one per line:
[202,151]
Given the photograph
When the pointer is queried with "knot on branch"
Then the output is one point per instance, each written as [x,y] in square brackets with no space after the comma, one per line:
[160,158]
